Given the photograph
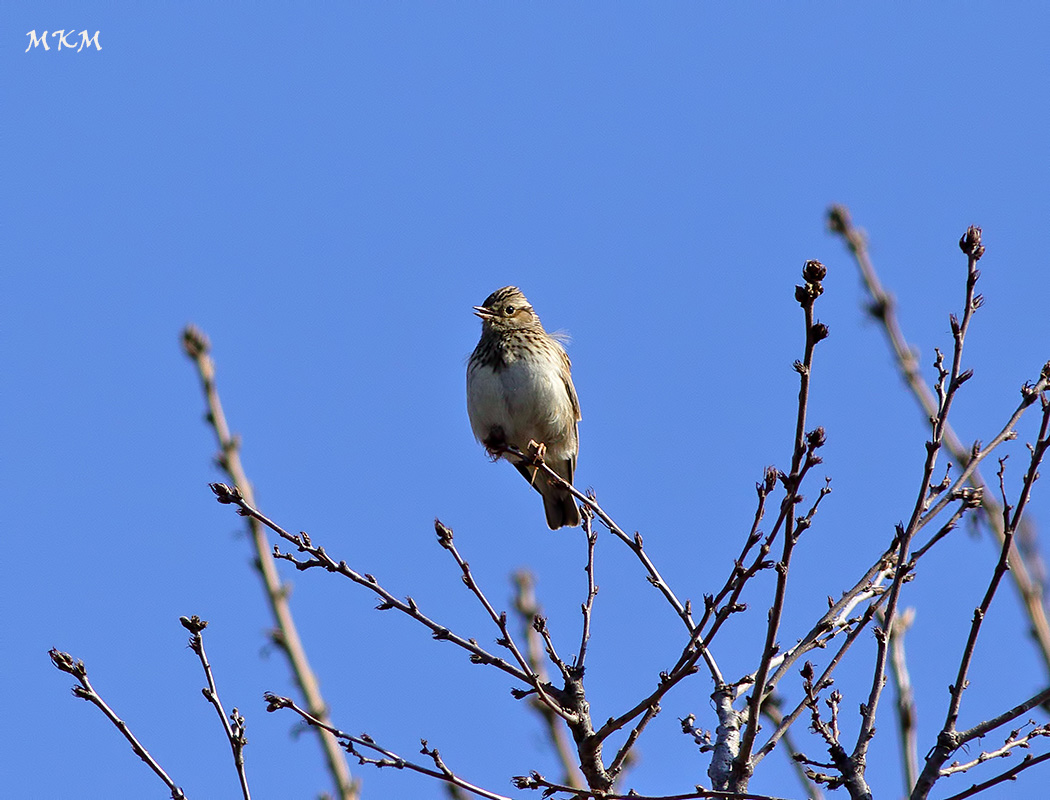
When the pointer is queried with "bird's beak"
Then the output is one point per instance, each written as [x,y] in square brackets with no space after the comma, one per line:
[484,313]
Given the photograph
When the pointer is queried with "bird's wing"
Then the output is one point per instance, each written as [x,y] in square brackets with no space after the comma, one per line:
[570,389]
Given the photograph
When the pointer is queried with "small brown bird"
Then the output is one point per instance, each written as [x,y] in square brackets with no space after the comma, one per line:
[519,389]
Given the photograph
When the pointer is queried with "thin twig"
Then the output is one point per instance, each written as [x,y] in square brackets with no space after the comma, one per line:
[718,609]
[773,712]
[950,739]
[64,662]
[984,728]
[1009,775]
[389,758]
[1027,563]
[824,680]
[829,626]
[198,348]
[740,574]
[233,725]
[620,759]
[446,540]
[592,588]
[534,458]
[1013,740]
[1001,567]
[948,383]
[803,453]
[970,499]
[721,608]
[320,559]
[536,781]
[568,673]
[528,608]
[1029,394]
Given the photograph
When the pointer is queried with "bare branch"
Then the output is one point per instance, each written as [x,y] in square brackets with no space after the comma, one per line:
[534,458]
[446,540]
[986,727]
[620,759]
[1000,568]
[196,345]
[231,496]
[1015,739]
[739,575]
[948,382]
[907,714]
[802,459]
[949,739]
[855,628]
[772,710]
[1009,775]
[1029,394]
[970,499]
[85,691]
[387,757]
[1027,565]
[536,781]
[233,725]
[528,608]
[592,588]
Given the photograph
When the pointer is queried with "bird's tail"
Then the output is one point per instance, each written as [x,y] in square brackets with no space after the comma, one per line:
[558,504]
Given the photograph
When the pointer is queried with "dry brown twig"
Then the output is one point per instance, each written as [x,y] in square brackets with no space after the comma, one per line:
[771,710]
[896,564]
[528,609]
[446,540]
[533,623]
[286,636]
[1011,774]
[569,703]
[64,662]
[229,495]
[1016,738]
[536,781]
[232,724]
[1023,562]
[355,744]
[1028,570]
[950,739]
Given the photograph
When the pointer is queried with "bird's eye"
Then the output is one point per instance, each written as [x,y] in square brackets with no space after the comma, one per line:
[509,311]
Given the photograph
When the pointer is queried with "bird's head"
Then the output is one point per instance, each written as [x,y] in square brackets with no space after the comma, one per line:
[507,309]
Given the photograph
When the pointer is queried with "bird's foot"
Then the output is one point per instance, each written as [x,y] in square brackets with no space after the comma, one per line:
[536,451]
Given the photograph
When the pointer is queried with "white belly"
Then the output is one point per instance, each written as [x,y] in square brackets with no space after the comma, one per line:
[528,401]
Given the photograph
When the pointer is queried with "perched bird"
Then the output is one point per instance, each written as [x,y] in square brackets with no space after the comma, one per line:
[519,390]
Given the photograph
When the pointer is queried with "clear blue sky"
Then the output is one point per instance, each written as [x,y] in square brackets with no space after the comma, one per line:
[327,189]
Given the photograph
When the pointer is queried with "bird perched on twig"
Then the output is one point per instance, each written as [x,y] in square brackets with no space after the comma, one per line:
[519,390]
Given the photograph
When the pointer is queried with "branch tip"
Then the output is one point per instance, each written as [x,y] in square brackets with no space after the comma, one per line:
[970,243]
[194,342]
